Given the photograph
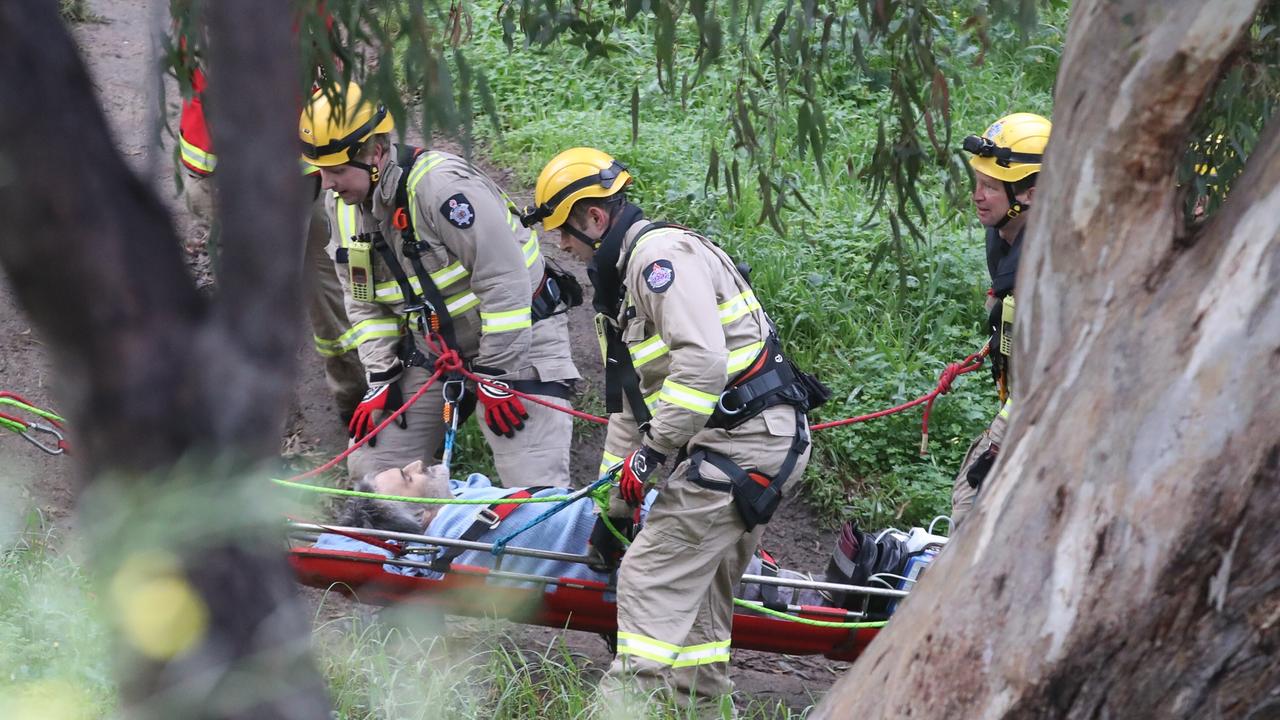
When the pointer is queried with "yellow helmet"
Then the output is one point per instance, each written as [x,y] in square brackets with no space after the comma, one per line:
[333,136]
[573,175]
[1012,148]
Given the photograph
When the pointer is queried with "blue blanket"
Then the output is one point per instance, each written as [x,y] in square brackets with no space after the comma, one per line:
[567,531]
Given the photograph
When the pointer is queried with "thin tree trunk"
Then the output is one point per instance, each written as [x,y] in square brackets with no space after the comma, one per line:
[1124,560]
[154,376]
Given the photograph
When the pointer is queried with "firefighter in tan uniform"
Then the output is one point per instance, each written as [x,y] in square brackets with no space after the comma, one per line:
[424,242]
[1006,162]
[695,376]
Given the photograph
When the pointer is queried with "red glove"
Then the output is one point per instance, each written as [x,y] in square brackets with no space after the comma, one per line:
[503,412]
[379,398]
[636,470]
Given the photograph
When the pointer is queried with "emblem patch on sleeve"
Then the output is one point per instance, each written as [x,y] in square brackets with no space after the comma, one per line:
[457,210]
[659,275]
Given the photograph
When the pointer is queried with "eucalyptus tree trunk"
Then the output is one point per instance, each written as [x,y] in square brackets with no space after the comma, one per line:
[1124,560]
[167,389]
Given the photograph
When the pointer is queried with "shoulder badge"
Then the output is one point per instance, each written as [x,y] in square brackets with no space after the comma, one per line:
[457,210]
[659,275]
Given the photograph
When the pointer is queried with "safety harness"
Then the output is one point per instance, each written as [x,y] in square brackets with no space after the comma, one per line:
[771,380]
[488,519]
[556,293]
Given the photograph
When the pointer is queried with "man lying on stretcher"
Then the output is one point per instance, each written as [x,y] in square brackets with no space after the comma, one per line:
[860,558]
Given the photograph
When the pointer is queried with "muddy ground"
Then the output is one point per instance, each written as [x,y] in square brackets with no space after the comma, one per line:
[118,51]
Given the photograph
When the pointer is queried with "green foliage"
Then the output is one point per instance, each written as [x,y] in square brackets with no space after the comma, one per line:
[877,323]
[54,654]
[401,666]
[76,11]
[1227,127]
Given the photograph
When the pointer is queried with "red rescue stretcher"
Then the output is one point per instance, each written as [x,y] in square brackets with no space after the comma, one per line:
[571,603]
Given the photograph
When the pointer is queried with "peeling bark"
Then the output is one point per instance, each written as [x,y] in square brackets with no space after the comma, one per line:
[1123,561]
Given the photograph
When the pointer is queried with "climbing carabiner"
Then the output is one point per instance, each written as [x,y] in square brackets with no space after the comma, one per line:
[30,434]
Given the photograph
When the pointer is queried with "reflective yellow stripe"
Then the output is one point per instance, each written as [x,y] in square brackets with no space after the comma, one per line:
[742,358]
[462,302]
[672,655]
[203,161]
[346,221]
[308,168]
[687,398]
[656,233]
[704,654]
[648,350]
[531,251]
[420,169]
[652,400]
[389,291]
[1004,409]
[607,461]
[359,334]
[506,321]
[736,307]
[449,274]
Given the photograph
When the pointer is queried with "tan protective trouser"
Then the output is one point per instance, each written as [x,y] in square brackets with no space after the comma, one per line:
[536,455]
[964,495]
[675,585]
[197,191]
[342,370]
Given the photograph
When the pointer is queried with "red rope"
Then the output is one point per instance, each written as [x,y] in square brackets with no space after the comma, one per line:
[533,398]
[949,374]
[448,361]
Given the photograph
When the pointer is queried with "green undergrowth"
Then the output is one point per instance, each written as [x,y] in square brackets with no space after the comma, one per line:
[54,652]
[877,322]
[405,663]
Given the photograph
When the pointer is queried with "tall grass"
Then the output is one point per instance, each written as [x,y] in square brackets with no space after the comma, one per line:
[876,324]
[54,656]
[402,663]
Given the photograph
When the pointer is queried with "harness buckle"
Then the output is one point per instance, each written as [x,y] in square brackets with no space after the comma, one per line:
[489,517]
[723,408]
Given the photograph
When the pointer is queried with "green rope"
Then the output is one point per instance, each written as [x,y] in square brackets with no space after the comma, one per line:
[806,621]
[31,409]
[11,425]
[424,501]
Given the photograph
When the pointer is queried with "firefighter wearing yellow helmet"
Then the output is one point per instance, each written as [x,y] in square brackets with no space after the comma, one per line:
[426,245]
[1006,161]
[695,375]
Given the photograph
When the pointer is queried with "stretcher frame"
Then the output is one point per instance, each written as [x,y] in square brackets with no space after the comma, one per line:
[565,603]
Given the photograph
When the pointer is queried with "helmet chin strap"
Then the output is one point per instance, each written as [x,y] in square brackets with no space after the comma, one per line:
[374,175]
[1016,207]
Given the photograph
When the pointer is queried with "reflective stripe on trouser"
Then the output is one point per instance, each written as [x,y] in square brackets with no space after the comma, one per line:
[325,304]
[419,439]
[964,495]
[675,586]
[538,454]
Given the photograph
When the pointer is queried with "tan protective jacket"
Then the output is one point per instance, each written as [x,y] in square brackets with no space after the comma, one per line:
[483,261]
[691,323]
